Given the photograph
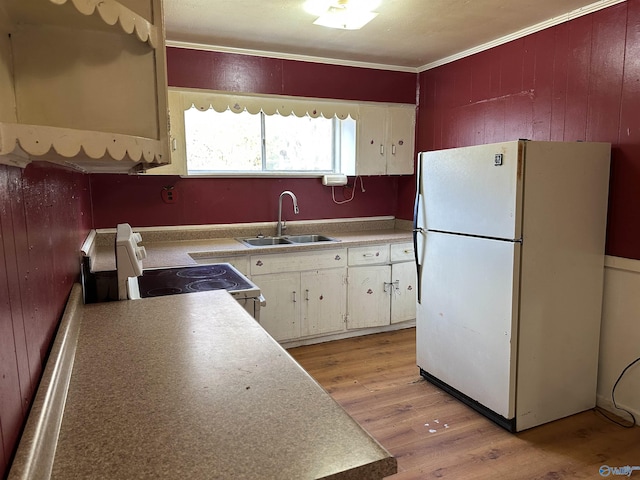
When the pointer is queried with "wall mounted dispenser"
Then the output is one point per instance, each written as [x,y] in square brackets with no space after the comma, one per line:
[336,180]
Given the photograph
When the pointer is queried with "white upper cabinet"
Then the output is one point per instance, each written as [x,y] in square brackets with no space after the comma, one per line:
[385,140]
[83,83]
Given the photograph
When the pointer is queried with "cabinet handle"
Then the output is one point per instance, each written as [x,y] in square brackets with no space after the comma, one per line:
[174,144]
[295,299]
[393,149]
[392,287]
[368,255]
[408,250]
[306,294]
[381,149]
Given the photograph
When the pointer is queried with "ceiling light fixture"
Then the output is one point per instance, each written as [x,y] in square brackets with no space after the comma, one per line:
[344,14]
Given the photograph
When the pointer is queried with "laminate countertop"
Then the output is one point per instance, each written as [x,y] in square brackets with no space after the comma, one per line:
[191,387]
[179,246]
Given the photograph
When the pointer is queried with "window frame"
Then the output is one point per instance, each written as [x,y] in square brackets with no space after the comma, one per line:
[181,99]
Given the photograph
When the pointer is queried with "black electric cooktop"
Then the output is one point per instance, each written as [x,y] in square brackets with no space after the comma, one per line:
[173,281]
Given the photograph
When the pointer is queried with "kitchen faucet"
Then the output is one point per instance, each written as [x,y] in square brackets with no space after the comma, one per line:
[281,225]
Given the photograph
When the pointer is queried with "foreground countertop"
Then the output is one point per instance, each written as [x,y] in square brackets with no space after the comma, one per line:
[190,386]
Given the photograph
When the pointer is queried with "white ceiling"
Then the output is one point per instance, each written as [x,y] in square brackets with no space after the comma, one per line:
[407,34]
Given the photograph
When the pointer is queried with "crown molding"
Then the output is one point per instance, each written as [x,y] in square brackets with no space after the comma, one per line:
[288,56]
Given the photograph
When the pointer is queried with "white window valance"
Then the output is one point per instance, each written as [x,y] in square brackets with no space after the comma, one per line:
[269,104]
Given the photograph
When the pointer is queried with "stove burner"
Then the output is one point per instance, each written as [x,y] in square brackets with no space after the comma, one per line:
[207,271]
[159,292]
[212,284]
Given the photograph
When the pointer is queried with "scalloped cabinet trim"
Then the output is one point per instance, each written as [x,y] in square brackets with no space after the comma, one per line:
[269,104]
[38,140]
[79,129]
[113,12]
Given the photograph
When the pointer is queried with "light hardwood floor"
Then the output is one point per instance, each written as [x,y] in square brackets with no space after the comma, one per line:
[433,435]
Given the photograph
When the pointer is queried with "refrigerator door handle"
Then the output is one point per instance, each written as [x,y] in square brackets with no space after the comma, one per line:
[418,266]
[418,230]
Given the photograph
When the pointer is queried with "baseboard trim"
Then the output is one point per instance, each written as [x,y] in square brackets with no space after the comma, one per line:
[605,403]
[348,334]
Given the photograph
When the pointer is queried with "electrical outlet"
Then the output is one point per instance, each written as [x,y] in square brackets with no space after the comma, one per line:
[169,195]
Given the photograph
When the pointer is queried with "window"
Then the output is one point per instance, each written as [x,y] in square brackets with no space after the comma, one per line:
[278,136]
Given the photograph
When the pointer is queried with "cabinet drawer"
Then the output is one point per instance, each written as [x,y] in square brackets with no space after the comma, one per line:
[298,262]
[402,252]
[369,255]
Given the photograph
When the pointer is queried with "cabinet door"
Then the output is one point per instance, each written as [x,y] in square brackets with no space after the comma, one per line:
[368,297]
[324,301]
[370,141]
[280,317]
[403,299]
[401,131]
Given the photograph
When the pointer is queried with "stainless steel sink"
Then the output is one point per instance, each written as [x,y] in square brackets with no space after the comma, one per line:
[265,241]
[285,240]
[309,238]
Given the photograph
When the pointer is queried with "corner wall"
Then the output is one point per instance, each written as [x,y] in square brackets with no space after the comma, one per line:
[44,218]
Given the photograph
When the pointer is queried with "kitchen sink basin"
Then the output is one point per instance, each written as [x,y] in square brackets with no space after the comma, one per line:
[265,241]
[285,240]
[309,238]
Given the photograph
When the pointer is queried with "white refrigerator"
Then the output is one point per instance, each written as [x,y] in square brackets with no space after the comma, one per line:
[509,241]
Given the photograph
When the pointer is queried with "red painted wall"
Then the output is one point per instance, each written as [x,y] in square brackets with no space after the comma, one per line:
[136,200]
[44,217]
[244,73]
[576,81]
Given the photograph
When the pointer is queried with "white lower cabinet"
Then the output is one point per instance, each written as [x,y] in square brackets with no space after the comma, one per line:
[381,285]
[301,300]
[369,302]
[403,293]
[281,315]
[325,292]
[324,301]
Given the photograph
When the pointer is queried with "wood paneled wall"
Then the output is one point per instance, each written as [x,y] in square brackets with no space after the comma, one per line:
[578,81]
[246,73]
[202,201]
[44,218]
